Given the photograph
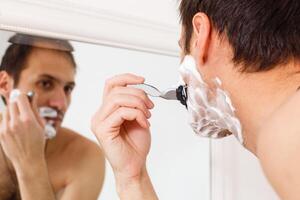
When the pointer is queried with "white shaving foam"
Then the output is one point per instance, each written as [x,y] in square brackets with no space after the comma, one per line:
[211,113]
[47,112]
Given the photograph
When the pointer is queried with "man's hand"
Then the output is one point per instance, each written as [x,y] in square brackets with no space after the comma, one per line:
[21,134]
[122,128]
[23,141]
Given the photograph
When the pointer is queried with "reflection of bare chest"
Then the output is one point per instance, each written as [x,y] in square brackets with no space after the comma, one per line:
[9,189]
[8,183]
[59,171]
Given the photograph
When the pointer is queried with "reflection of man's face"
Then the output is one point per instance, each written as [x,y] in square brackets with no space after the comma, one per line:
[50,74]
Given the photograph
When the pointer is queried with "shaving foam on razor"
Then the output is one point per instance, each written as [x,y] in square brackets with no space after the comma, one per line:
[15,93]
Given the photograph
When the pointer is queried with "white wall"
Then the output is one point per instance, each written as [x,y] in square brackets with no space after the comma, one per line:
[179,161]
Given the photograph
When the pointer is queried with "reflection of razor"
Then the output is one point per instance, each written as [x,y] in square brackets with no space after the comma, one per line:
[179,93]
[3,102]
[45,112]
[15,93]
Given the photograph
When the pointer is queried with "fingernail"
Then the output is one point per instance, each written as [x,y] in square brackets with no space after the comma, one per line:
[141,78]
[148,123]
[150,104]
[148,114]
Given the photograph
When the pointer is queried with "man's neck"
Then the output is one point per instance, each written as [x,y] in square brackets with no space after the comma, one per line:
[257,95]
[52,145]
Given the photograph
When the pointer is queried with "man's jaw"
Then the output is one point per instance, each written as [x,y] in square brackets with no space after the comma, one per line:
[55,122]
[52,116]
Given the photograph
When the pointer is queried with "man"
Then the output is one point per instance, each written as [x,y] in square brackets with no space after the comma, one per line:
[31,167]
[253,47]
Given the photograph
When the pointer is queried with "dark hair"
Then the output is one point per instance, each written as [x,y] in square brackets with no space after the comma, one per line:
[262,33]
[15,58]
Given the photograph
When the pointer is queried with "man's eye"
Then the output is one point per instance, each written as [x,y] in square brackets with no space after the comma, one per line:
[46,84]
[69,89]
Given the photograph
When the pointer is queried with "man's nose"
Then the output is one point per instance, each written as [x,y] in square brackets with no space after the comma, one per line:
[59,100]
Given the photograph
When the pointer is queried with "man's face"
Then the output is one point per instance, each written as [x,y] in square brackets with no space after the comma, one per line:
[204,71]
[50,74]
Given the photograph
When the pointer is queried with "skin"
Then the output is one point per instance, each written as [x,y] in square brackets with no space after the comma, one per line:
[270,131]
[66,167]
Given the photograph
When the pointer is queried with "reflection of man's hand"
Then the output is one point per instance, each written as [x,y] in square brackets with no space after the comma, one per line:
[22,134]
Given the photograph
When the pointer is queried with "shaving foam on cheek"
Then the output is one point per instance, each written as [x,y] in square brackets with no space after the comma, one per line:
[211,113]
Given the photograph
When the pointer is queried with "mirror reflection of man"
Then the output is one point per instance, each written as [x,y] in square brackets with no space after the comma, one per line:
[253,48]
[31,167]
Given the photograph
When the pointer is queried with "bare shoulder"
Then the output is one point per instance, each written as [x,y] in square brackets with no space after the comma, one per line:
[82,155]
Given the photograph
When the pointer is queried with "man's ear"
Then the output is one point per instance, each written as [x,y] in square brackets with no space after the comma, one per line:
[202,32]
[6,84]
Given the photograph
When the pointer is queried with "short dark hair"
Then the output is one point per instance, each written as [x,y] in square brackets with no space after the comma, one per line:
[15,57]
[262,33]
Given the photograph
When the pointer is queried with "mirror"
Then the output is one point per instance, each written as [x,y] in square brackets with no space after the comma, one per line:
[179,161]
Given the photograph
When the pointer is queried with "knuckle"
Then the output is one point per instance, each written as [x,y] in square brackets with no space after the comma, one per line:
[139,102]
[140,113]
[27,120]
[116,100]
[140,92]
[116,90]
[13,127]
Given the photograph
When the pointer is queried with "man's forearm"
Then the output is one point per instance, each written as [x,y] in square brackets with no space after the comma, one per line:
[136,189]
[34,181]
